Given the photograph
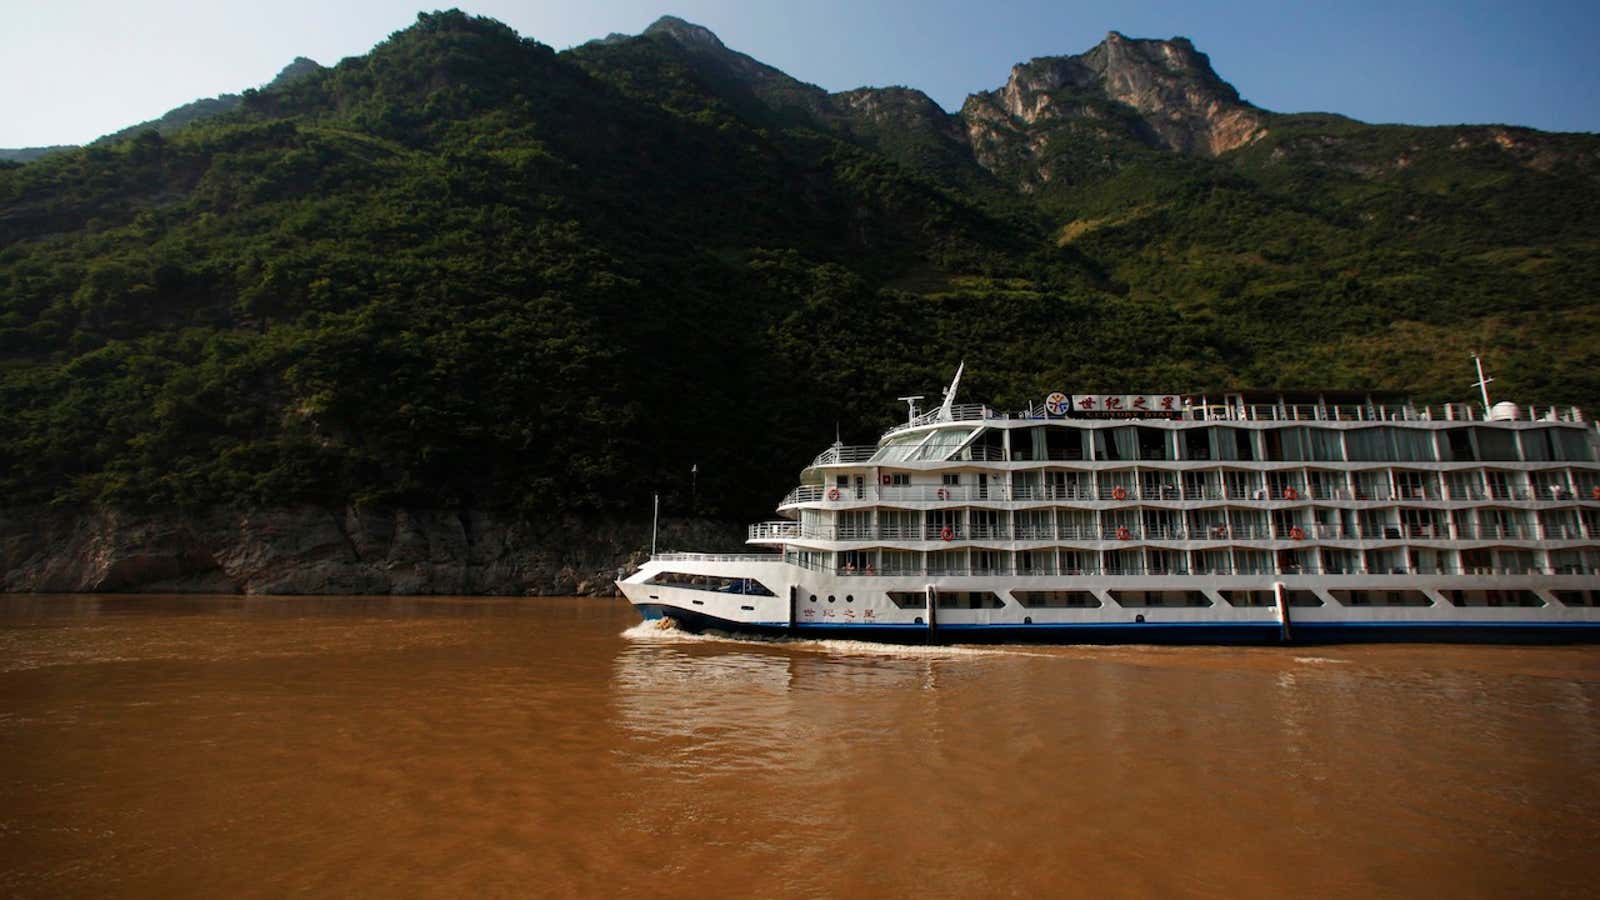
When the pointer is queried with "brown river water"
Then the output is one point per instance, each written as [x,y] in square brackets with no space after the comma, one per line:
[256,747]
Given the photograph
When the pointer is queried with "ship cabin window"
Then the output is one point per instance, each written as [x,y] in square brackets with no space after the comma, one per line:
[1270,599]
[1382,598]
[1499,444]
[1153,443]
[899,479]
[1118,444]
[1057,599]
[1492,598]
[942,444]
[969,600]
[988,445]
[908,599]
[1578,598]
[748,586]
[1572,444]
[1458,446]
[1250,598]
[1065,444]
[1145,599]
[952,478]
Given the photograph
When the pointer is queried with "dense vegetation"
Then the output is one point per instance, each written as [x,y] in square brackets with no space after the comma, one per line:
[465,269]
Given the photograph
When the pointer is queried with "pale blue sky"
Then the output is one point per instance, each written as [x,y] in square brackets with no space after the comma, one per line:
[75,69]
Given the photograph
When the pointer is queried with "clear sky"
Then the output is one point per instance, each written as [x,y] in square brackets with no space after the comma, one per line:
[72,70]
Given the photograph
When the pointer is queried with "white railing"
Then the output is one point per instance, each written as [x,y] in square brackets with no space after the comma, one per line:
[717,557]
[841,454]
[1114,532]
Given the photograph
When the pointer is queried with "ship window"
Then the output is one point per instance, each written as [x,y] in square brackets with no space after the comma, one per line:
[1572,444]
[1382,598]
[1250,598]
[1142,599]
[1057,599]
[1496,443]
[1578,598]
[969,600]
[1460,445]
[908,599]
[1493,598]
[952,478]
[1153,443]
[1368,444]
[1244,446]
[710,583]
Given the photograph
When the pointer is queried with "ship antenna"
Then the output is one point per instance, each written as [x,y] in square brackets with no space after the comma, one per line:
[1483,383]
[946,410]
[911,408]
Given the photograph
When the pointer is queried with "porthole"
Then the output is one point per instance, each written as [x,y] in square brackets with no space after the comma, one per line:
[830,598]
[813,598]
[849,598]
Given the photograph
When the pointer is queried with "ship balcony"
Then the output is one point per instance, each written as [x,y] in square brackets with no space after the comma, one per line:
[956,531]
[998,492]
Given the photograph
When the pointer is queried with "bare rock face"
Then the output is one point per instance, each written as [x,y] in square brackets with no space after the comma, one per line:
[314,550]
[1162,94]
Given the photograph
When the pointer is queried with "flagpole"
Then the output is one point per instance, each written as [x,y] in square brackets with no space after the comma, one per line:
[654,517]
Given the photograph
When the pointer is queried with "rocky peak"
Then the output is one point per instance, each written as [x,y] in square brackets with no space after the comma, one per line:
[688,34]
[1170,85]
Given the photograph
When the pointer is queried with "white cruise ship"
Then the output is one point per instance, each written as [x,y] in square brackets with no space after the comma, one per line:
[1250,517]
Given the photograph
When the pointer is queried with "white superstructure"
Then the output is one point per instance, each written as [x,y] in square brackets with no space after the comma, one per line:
[1245,517]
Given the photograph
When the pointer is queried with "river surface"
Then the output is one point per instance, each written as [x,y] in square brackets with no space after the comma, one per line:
[255,747]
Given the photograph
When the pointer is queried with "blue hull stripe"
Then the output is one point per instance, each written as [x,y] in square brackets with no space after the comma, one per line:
[1268,632]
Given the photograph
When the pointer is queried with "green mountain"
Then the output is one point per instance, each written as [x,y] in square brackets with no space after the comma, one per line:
[465,270]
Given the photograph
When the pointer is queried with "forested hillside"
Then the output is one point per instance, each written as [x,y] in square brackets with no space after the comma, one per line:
[465,270]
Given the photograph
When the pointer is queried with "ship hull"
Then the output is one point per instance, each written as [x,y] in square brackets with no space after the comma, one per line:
[1202,633]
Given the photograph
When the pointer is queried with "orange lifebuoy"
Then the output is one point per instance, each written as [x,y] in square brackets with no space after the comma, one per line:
[833,493]
[943,494]
[1119,493]
[1295,534]
[1596,492]
[946,534]
[1123,534]
[1290,493]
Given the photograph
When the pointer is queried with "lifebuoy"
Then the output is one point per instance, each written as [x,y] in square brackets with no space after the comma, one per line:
[833,493]
[946,534]
[943,494]
[1119,493]
[1596,492]
[1123,534]
[1295,534]
[1290,493]
[885,479]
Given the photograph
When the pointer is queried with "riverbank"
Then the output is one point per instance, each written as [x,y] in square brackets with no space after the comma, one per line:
[320,550]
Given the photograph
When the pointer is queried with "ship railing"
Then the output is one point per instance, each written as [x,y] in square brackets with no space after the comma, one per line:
[1378,412]
[843,454]
[717,557]
[1214,531]
[998,492]
[767,531]
[982,454]
[961,412]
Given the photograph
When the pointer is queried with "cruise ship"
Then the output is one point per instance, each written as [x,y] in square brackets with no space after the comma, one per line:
[1250,517]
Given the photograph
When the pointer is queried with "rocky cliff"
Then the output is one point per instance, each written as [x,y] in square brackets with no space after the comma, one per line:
[310,550]
[1161,94]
